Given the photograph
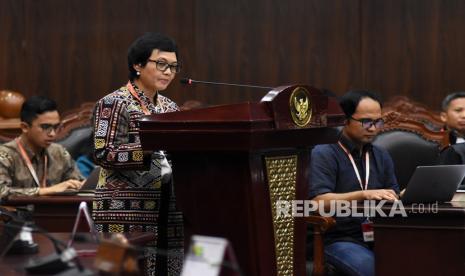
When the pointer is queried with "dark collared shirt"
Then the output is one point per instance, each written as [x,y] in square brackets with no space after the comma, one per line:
[15,178]
[454,154]
[332,172]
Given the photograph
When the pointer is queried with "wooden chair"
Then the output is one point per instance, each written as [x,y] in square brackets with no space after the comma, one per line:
[399,121]
[75,118]
[10,107]
[415,111]
[320,226]
[75,133]
[10,104]
[410,144]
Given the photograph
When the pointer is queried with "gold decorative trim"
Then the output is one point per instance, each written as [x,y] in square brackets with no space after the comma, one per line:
[282,177]
[300,106]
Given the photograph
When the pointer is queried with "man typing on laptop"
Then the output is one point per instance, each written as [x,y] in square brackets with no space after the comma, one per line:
[32,164]
[353,169]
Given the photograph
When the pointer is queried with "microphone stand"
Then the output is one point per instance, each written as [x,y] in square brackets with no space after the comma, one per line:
[64,262]
[22,241]
[191,81]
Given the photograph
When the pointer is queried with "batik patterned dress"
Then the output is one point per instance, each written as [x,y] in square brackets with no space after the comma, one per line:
[132,195]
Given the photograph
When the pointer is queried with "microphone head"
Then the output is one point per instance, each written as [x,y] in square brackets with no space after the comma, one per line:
[185,81]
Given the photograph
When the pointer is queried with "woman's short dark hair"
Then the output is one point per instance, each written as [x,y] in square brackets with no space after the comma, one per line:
[350,100]
[35,106]
[141,50]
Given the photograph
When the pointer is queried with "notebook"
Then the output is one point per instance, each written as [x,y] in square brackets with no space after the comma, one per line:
[430,184]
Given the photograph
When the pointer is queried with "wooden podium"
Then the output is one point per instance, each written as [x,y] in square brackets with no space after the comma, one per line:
[232,163]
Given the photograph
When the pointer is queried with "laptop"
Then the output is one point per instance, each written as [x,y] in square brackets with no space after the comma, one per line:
[88,187]
[430,184]
[91,181]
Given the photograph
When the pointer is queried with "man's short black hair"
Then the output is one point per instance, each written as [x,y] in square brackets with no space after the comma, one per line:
[449,98]
[141,50]
[351,99]
[34,106]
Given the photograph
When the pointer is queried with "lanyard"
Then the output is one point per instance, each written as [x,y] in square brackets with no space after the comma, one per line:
[367,164]
[142,104]
[30,167]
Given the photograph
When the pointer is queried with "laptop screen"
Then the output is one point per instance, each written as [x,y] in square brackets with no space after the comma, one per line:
[434,183]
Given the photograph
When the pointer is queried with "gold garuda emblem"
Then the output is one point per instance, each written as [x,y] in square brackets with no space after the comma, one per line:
[300,106]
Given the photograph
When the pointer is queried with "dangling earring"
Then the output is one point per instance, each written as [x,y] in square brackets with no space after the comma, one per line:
[138,73]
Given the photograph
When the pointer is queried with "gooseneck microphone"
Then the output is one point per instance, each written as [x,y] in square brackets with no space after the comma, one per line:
[63,261]
[191,81]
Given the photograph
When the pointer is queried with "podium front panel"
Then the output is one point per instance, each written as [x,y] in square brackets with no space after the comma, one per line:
[233,163]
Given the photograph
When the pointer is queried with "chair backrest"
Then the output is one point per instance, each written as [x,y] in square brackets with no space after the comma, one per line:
[10,104]
[75,134]
[415,111]
[78,142]
[410,144]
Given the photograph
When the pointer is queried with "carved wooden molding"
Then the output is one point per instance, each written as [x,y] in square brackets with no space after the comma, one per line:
[76,118]
[415,111]
[71,119]
[398,121]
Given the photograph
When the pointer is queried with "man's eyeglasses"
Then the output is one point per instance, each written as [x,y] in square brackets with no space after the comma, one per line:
[367,123]
[47,128]
[163,65]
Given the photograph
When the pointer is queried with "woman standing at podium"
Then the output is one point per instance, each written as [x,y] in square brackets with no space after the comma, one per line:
[134,192]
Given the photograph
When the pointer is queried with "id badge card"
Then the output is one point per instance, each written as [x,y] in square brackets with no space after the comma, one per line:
[367,230]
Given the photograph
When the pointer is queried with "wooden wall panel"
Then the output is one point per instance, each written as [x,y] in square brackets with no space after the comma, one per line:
[270,43]
[75,50]
[414,48]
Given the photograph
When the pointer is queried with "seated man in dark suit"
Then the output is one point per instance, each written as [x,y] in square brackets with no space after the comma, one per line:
[353,169]
[32,164]
[453,116]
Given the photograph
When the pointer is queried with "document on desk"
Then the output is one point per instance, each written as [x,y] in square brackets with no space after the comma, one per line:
[205,256]
[459,196]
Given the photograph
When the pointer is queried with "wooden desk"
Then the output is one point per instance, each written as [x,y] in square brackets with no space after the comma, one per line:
[12,265]
[54,213]
[424,243]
